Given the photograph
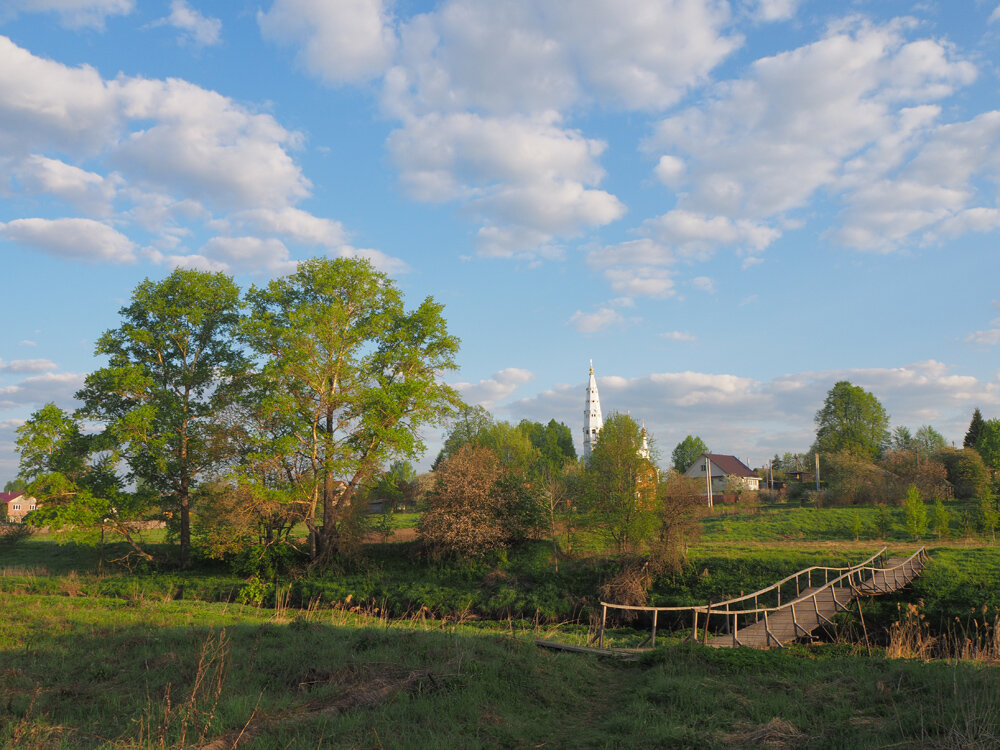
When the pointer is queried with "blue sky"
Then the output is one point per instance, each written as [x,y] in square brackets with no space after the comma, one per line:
[728,206]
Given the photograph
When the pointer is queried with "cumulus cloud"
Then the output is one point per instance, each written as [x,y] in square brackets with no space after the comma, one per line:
[603,317]
[493,390]
[529,179]
[79,239]
[195,28]
[349,41]
[40,389]
[73,14]
[22,366]
[88,191]
[818,116]
[753,418]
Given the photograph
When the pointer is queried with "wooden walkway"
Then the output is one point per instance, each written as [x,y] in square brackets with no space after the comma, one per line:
[808,604]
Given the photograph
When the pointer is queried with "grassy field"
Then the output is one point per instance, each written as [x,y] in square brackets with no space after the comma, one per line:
[392,651]
[95,672]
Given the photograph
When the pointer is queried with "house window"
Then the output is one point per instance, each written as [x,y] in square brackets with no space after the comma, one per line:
[703,467]
[15,507]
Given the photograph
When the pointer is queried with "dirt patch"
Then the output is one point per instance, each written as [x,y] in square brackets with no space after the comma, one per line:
[369,689]
[398,535]
[777,733]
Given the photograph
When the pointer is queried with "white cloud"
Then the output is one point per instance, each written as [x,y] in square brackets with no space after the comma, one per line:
[80,239]
[73,14]
[774,10]
[85,190]
[293,223]
[40,389]
[44,103]
[643,55]
[704,284]
[529,179]
[678,336]
[27,342]
[249,254]
[592,322]
[832,114]
[754,419]
[995,15]
[641,281]
[196,29]
[22,366]
[348,41]
[207,146]
[495,389]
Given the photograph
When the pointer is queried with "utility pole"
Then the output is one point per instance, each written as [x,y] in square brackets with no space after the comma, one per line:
[817,470]
[708,477]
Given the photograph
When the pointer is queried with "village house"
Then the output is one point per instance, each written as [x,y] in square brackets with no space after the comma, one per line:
[726,470]
[18,505]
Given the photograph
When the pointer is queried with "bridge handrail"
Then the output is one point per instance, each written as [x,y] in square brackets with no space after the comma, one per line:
[755,594]
[806,597]
[722,608]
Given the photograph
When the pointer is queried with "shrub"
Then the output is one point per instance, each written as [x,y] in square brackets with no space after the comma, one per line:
[915,512]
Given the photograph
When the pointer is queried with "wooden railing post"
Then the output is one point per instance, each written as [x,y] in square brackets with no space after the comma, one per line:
[653,641]
[604,619]
[694,627]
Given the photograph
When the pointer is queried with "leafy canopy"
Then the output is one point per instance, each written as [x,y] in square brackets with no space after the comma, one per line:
[853,420]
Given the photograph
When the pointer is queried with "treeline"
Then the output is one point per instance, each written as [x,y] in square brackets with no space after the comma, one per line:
[238,417]
[264,408]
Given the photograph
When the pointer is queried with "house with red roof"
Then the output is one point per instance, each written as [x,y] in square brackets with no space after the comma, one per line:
[18,505]
[724,470]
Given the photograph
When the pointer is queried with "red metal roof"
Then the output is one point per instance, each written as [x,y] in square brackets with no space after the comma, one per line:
[731,465]
[6,497]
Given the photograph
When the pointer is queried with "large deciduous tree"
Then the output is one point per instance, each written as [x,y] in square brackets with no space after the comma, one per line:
[686,453]
[168,363]
[851,420]
[351,374]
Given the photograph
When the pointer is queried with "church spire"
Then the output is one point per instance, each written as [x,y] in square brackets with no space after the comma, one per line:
[592,420]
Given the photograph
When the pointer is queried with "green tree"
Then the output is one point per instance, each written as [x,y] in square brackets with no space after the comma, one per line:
[15,485]
[914,512]
[966,471]
[619,487]
[353,377]
[975,429]
[467,427]
[553,440]
[988,444]
[851,419]
[74,478]
[902,439]
[941,519]
[168,365]
[686,452]
[987,516]
[928,440]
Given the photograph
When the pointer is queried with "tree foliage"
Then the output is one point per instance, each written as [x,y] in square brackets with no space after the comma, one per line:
[686,452]
[73,476]
[681,507]
[853,420]
[350,375]
[966,471]
[477,506]
[975,429]
[619,486]
[988,444]
[914,512]
[168,363]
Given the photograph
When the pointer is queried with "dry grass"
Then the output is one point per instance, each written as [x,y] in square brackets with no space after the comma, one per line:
[777,733]
[910,638]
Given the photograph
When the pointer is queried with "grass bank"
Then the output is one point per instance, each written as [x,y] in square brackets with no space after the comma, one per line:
[80,673]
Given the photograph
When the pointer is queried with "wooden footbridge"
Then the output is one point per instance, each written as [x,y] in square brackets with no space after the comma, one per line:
[788,610]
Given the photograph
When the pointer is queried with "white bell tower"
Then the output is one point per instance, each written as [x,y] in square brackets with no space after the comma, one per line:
[592,419]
